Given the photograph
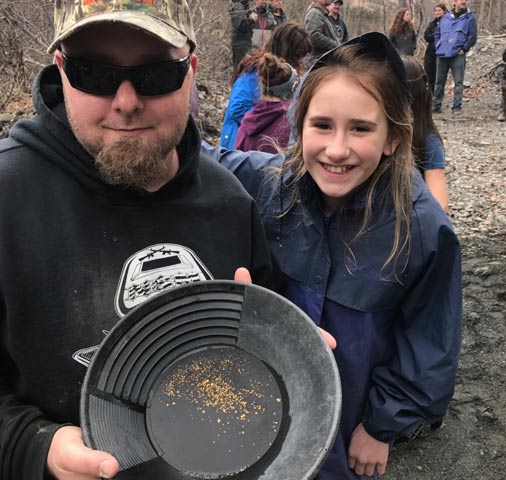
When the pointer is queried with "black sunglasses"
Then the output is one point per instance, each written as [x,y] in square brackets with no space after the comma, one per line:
[148,80]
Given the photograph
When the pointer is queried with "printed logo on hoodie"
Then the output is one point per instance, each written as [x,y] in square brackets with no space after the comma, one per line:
[148,273]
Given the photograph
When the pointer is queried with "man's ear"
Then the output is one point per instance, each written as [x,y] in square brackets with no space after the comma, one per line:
[194,62]
[58,59]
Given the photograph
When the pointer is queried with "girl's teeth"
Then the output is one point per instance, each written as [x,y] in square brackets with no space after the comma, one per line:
[333,169]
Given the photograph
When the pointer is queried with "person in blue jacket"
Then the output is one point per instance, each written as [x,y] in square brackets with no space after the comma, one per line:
[364,248]
[454,36]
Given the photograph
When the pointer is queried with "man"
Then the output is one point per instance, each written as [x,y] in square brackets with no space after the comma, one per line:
[242,20]
[105,202]
[454,36]
[320,28]
[276,8]
[263,25]
[334,10]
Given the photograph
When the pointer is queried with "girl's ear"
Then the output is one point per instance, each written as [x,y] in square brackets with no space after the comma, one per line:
[391,146]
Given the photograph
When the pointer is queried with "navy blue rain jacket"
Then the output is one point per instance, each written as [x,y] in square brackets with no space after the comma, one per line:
[397,343]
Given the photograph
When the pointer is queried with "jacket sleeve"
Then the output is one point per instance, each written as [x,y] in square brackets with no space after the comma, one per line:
[314,23]
[416,386]
[246,94]
[25,435]
[250,168]
[472,34]
[428,35]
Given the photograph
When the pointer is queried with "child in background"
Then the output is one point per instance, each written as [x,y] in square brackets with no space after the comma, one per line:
[266,128]
[427,142]
[364,248]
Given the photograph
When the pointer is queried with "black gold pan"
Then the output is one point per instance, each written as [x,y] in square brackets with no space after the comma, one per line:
[213,380]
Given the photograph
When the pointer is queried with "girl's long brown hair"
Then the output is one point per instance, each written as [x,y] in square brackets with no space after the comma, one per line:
[390,183]
[421,106]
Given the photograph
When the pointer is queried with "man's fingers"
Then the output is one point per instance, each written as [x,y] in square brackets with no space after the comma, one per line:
[331,341]
[108,468]
[242,275]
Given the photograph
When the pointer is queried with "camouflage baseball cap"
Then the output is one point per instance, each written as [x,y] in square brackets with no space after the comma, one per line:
[168,20]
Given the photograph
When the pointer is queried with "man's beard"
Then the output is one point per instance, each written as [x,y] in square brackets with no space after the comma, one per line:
[136,161]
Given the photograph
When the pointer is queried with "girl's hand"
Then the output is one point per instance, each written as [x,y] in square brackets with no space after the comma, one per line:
[367,455]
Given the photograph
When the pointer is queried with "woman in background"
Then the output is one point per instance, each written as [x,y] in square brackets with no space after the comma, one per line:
[427,143]
[429,61]
[288,41]
[402,32]
[266,127]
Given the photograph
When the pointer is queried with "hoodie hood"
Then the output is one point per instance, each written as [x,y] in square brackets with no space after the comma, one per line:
[49,134]
[266,122]
[263,116]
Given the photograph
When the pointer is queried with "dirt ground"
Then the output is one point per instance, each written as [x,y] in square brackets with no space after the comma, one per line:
[471,444]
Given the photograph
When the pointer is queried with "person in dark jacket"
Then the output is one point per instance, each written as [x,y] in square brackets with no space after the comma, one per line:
[402,32]
[502,111]
[242,20]
[105,202]
[336,18]
[454,36]
[266,128]
[429,60]
[365,249]
[320,28]
[276,8]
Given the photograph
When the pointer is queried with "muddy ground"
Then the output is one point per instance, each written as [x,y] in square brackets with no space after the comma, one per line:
[471,444]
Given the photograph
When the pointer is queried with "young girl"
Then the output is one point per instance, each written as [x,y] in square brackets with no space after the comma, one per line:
[265,128]
[402,32]
[427,142]
[364,249]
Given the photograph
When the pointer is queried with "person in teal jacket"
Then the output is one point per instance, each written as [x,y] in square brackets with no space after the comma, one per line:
[364,249]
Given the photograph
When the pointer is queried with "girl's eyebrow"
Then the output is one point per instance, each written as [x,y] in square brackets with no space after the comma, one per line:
[319,118]
[368,123]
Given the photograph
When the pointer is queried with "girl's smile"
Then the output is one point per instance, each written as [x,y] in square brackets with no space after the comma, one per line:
[344,136]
